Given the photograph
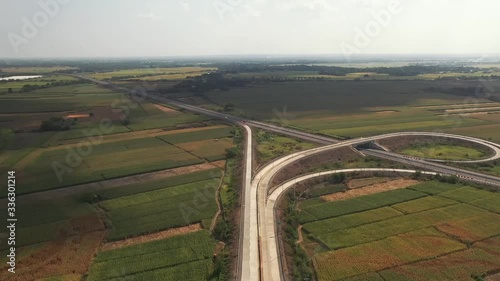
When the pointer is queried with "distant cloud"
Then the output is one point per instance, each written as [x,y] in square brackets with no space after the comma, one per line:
[185,5]
[149,16]
[312,5]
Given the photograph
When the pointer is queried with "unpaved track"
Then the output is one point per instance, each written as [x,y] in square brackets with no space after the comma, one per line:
[151,237]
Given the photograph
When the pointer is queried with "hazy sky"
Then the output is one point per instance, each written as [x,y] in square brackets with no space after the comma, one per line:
[139,28]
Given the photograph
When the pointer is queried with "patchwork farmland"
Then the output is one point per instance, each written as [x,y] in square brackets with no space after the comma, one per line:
[416,233]
[153,74]
[363,108]
[119,188]
[149,179]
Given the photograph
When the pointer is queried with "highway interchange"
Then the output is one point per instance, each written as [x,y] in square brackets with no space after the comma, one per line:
[259,258]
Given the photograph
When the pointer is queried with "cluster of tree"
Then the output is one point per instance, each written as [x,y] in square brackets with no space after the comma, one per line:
[409,70]
[447,179]
[30,87]
[55,124]
[337,178]
[412,70]
[207,82]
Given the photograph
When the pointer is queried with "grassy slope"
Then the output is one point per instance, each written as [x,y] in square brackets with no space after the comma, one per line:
[444,152]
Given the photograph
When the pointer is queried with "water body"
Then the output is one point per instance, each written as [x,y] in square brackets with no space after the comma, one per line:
[20,77]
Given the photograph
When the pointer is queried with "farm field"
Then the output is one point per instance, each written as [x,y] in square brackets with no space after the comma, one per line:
[84,106]
[198,135]
[126,189]
[140,154]
[185,257]
[161,209]
[358,108]
[65,223]
[173,73]
[380,236]
[68,233]
[156,87]
[136,156]
[87,107]
[34,69]
[18,85]
[57,99]
[359,76]
[93,114]
[147,116]
[428,231]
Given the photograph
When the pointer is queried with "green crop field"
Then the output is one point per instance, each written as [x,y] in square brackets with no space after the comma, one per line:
[483,257]
[16,86]
[352,220]
[394,226]
[446,226]
[215,133]
[161,209]
[89,105]
[212,150]
[355,108]
[136,156]
[185,257]
[145,186]
[25,112]
[358,76]
[330,98]
[113,230]
[164,120]
[132,209]
[48,219]
[35,70]
[423,204]
[490,203]
[385,253]
[434,187]
[485,131]
[335,209]
[465,194]
[154,73]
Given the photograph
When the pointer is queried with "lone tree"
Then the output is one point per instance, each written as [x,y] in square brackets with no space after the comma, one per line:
[54,124]
[10,90]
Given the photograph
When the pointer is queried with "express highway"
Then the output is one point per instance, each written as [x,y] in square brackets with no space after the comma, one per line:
[258,254]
